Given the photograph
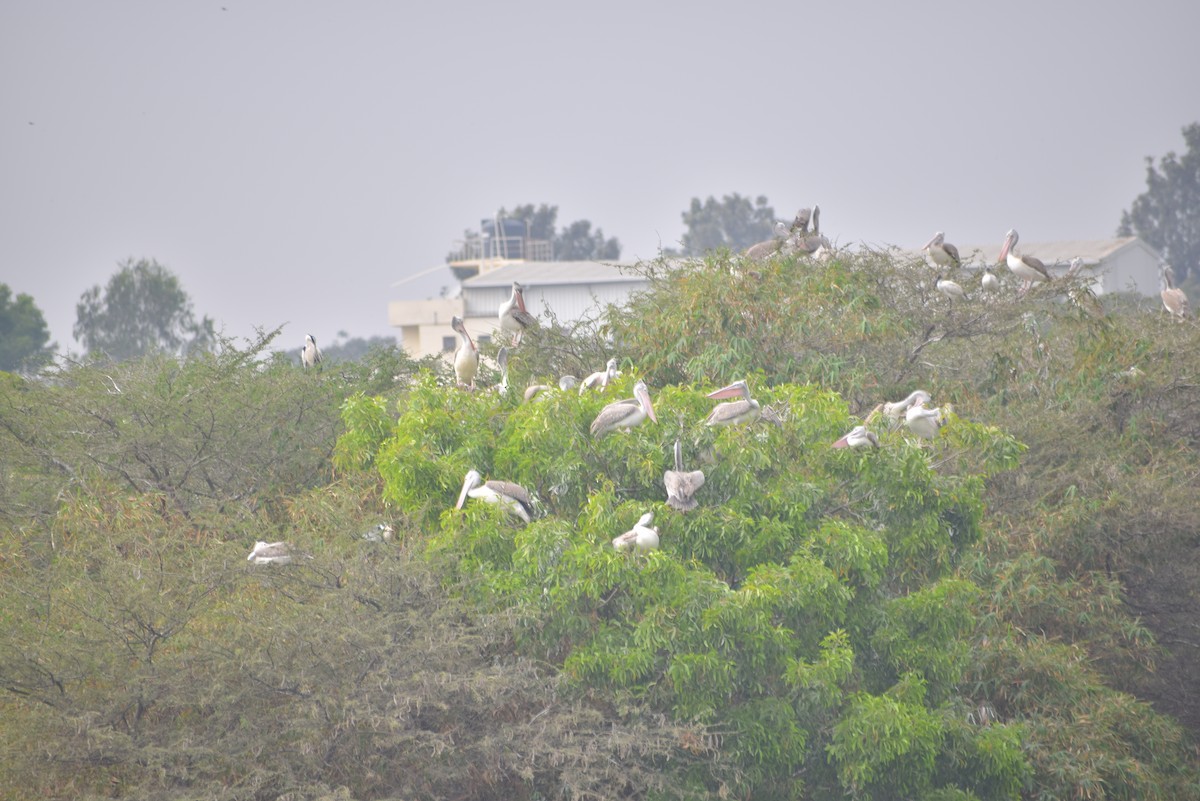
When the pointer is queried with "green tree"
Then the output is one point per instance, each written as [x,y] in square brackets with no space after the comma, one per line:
[23,333]
[1167,214]
[735,222]
[143,308]
[575,242]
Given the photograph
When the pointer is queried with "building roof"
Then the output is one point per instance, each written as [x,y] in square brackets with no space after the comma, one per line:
[551,273]
[1092,251]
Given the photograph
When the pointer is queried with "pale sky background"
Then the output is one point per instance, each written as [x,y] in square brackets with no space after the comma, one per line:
[290,161]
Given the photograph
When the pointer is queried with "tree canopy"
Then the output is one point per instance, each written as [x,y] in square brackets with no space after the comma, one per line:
[23,333]
[142,309]
[734,222]
[1167,214]
[574,242]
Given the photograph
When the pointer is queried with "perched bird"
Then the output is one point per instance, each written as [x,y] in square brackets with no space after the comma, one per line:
[311,354]
[896,410]
[602,379]
[989,281]
[923,421]
[512,497]
[1027,268]
[1173,298]
[768,247]
[859,437]
[1074,268]
[565,383]
[743,410]
[625,414]
[513,315]
[941,252]
[381,532]
[950,288]
[270,553]
[681,485]
[502,362]
[642,537]
[466,358]
[801,240]
[800,223]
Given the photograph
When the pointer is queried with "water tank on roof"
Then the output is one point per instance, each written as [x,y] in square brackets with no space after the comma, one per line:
[505,242]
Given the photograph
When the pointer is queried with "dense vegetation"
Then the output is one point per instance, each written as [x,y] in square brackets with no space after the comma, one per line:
[1001,613]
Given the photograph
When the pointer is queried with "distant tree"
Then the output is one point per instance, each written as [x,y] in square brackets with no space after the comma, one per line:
[575,242]
[1167,214]
[735,223]
[142,309]
[23,333]
[350,349]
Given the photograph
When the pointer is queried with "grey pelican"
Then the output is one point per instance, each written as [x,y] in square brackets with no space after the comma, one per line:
[625,414]
[922,421]
[896,410]
[1173,298]
[270,553]
[940,252]
[803,242]
[1027,268]
[989,281]
[514,498]
[601,379]
[743,410]
[513,315]
[502,360]
[950,288]
[681,486]
[800,223]
[859,437]
[565,383]
[466,358]
[311,354]
[642,537]
[379,533]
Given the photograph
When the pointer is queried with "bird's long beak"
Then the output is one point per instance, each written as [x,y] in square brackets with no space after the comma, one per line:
[731,391]
[644,394]
[520,299]
[842,443]
[462,496]
[874,413]
[930,242]
[1004,250]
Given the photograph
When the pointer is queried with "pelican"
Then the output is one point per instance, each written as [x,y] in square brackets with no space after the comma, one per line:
[941,252]
[270,553]
[625,414]
[513,316]
[502,361]
[896,410]
[466,358]
[1076,266]
[1027,268]
[922,421]
[801,241]
[859,437]
[800,223]
[379,533]
[565,383]
[1174,301]
[682,486]
[950,288]
[989,281]
[744,410]
[513,497]
[642,537]
[768,247]
[601,379]
[311,354]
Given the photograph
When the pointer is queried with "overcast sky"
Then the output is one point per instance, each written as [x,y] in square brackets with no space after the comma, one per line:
[291,161]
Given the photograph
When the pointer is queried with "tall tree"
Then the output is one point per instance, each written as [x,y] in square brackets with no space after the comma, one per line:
[23,333]
[575,242]
[1167,214]
[735,223]
[143,308]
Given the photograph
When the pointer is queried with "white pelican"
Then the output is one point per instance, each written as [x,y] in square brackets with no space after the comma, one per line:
[270,553]
[941,252]
[513,497]
[681,486]
[950,288]
[625,414]
[379,533]
[502,361]
[1027,268]
[859,437]
[743,410]
[642,537]
[513,315]
[311,354]
[601,379]
[896,410]
[1173,298]
[466,358]
[565,383]
[989,281]
[922,421]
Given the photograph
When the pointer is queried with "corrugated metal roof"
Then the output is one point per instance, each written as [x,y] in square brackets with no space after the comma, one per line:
[555,273]
[1091,251]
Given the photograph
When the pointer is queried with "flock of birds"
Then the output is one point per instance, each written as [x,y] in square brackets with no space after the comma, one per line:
[803,236]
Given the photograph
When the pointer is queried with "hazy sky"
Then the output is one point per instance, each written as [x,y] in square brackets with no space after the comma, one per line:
[290,161]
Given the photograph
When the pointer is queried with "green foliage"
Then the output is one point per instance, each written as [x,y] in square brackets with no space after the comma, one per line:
[1167,214]
[23,334]
[142,309]
[734,223]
